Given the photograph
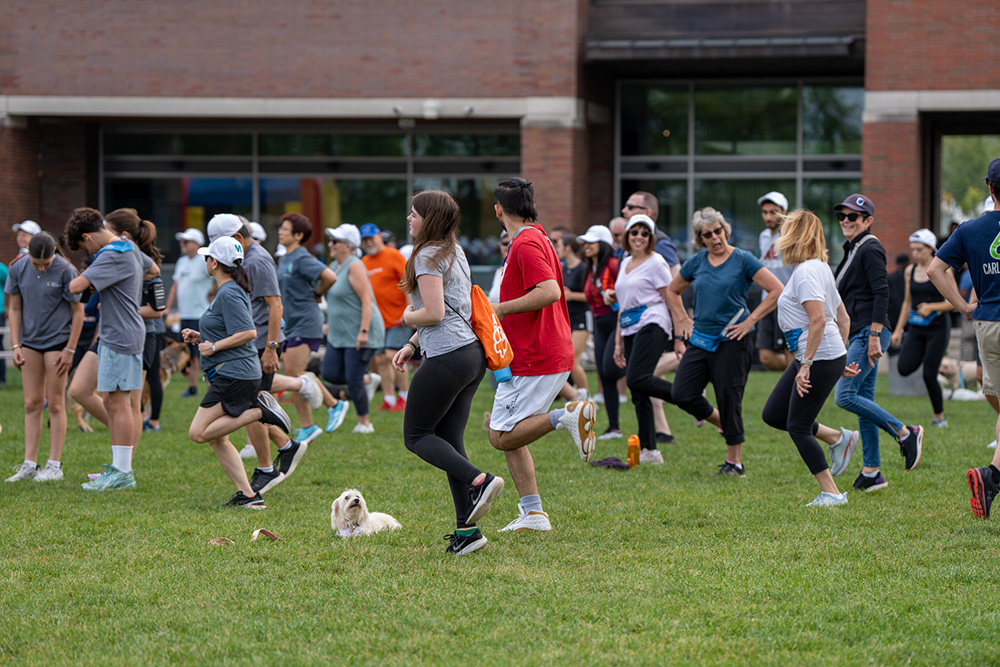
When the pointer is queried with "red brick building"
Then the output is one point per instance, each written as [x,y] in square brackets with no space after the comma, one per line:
[343,109]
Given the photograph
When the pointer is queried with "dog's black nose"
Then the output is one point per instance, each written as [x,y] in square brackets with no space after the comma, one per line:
[355,502]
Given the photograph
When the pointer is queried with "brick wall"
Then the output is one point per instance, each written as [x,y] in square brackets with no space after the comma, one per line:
[19,194]
[890,169]
[63,172]
[554,159]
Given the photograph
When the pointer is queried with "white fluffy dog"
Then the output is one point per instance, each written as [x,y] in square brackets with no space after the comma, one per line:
[349,516]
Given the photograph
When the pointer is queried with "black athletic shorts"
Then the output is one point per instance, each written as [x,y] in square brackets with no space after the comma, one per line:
[236,396]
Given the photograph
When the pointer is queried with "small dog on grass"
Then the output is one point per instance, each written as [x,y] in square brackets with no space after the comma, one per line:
[349,516]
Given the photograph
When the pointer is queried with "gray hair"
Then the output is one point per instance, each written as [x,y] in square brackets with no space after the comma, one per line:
[706,216]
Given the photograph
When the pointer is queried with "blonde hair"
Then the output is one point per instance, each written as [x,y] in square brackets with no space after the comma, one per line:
[706,216]
[802,238]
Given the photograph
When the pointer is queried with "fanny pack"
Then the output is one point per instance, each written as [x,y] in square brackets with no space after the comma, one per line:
[921,321]
[632,315]
[792,339]
[711,343]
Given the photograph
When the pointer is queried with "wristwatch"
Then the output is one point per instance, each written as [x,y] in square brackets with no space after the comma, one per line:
[807,362]
[874,334]
[364,331]
[272,344]
[213,348]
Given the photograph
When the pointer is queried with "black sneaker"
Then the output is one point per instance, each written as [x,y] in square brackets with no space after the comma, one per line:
[262,482]
[869,484]
[481,496]
[252,503]
[984,490]
[728,468]
[665,439]
[288,459]
[271,412]
[912,447]
[465,544]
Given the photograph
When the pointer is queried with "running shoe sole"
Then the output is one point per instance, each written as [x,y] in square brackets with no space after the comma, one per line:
[920,447]
[300,452]
[473,547]
[273,483]
[491,493]
[271,412]
[579,420]
[978,488]
[841,466]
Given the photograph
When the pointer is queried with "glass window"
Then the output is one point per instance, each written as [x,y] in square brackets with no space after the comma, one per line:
[178,144]
[820,196]
[831,119]
[343,145]
[745,120]
[737,201]
[654,120]
[672,198]
[479,227]
[466,145]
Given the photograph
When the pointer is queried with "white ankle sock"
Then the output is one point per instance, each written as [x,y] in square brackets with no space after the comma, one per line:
[403,394]
[121,457]
[391,400]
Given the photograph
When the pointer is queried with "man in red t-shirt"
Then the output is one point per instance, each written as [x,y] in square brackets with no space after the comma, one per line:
[533,311]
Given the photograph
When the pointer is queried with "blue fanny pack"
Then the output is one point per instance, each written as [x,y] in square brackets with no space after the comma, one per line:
[921,321]
[792,339]
[631,316]
[704,341]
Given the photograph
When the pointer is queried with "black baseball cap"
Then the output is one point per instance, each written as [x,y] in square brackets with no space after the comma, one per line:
[993,172]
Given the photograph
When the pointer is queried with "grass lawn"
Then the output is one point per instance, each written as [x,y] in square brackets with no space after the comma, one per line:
[661,564]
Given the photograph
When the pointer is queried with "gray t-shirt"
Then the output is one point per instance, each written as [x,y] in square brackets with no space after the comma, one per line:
[46,314]
[116,273]
[259,266]
[343,311]
[228,314]
[454,331]
[298,277]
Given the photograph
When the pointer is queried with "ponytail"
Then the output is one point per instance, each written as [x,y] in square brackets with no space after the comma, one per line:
[142,232]
[238,274]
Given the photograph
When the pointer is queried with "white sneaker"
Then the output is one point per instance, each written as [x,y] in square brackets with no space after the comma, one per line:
[622,399]
[24,471]
[581,395]
[311,390]
[598,397]
[533,520]
[841,451]
[578,419]
[652,456]
[248,452]
[992,445]
[375,380]
[52,472]
[364,428]
[610,434]
[825,499]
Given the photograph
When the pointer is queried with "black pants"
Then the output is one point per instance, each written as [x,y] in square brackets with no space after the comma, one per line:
[607,370]
[643,350]
[727,370]
[437,412]
[785,410]
[926,345]
[153,378]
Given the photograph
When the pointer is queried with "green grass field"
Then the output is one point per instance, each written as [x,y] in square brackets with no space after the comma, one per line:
[658,565]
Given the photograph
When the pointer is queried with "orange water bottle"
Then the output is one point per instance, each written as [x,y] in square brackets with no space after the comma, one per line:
[633,451]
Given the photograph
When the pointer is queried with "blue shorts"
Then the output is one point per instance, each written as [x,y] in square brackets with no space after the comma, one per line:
[117,371]
[396,337]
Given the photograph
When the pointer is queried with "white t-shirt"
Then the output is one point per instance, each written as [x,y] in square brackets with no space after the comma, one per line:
[642,287]
[812,280]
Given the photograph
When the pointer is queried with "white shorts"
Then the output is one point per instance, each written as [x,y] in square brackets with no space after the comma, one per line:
[523,397]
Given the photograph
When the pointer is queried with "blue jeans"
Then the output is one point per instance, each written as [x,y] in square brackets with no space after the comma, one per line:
[347,366]
[857,395]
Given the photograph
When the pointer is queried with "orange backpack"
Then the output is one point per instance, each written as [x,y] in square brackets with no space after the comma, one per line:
[486,326]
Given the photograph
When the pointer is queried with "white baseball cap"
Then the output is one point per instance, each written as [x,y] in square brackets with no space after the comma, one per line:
[775,198]
[924,236]
[280,251]
[641,219]
[191,234]
[987,205]
[257,232]
[597,233]
[223,224]
[346,233]
[29,226]
[225,250]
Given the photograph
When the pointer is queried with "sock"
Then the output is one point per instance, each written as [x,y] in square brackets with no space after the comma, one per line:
[54,464]
[738,465]
[555,416]
[465,532]
[403,394]
[995,473]
[901,438]
[121,457]
[531,503]
[34,464]
[871,475]
[268,469]
[480,481]
[286,447]
[390,399]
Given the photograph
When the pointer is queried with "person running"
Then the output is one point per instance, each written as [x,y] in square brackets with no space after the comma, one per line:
[225,338]
[644,327]
[926,340]
[581,321]
[189,291]
[439,282]
[45,324]
[355,329]
[864,288]
[815,325]
[719,346]
[117,273]
[533,313]
[303,280]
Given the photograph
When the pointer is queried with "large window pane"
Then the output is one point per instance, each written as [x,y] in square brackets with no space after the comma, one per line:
[745,120]
[672,198]
[479,227]
[820,196]
[654,120]
[467,145]
[178,144]
[831,119]
[337,145]
[737,201]
[963,165]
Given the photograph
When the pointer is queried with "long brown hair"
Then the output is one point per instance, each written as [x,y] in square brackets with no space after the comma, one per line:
[143,232]
[440,227]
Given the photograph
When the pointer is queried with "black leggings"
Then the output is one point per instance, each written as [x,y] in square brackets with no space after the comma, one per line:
[643,350]
[153,378]
[785,410]
[607,370]
[926,345]
[437,412]
[727,369]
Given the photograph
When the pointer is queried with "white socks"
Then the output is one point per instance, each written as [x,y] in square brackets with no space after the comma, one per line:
[121,457]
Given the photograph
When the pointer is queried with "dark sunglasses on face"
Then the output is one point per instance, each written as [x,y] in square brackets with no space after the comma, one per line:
[712,232]
[639,231]
[849,216]
[632,207]
[333,241]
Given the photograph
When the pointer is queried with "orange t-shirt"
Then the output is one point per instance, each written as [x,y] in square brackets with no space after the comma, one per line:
[385,270]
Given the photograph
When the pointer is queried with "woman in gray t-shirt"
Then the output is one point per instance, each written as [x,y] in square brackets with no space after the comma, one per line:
[437,409]
[45,324]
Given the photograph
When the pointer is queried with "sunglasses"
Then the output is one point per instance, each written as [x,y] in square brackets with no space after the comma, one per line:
[841,216]
[639,231]
[632,207]
[333,241]
[720,231]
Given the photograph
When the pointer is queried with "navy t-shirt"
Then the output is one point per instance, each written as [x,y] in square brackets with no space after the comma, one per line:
[977,242]
[720,291]
[228,314]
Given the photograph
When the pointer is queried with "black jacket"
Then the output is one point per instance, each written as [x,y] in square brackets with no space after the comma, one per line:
[864,286]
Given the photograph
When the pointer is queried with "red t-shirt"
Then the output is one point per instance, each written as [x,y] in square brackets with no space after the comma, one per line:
[541,339]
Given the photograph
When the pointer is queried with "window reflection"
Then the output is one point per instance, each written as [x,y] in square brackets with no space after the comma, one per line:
[831,119]
[654,120]
[746,120]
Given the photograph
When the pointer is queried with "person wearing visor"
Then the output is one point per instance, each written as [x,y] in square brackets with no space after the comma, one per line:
[864,288]
[719,347]
[926,339]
